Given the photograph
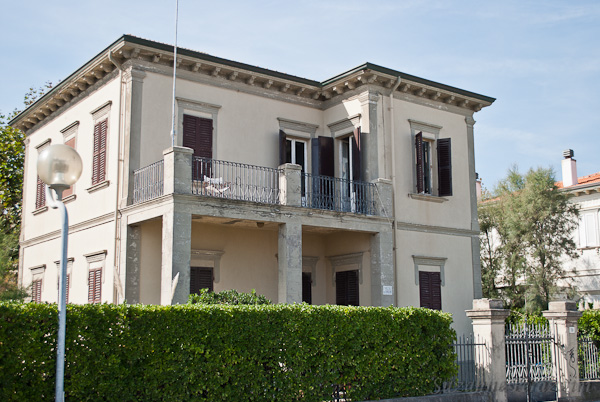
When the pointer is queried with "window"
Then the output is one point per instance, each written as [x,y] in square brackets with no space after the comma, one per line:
[95,278]
[430,290]
[588,229]
[307,287]
[71,143]
[99,152]
[40,191]
[198,135]
[294,151]
[201,278]
[69,135]
[346,288]
[424,148]
[36,291]
[95,286]
[37,281]
[69,270]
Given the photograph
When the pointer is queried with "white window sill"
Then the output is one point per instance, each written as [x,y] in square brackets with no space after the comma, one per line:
[69,198]
[427,197]
[40,210]
[98,186]
[581,248]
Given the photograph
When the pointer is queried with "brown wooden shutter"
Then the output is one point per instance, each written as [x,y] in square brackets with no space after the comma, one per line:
[201,278]
[356,155]
[69,191]
[430,290]
[346,288]
[282,148]
[326,162]
[198,135]
[40,193]
[95,286]
[99,153]
[419,158]
[67,289]
[307,287]
[444,156]
[36,291]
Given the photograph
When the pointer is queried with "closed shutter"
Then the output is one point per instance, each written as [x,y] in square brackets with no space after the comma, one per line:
[420,172]
[99,154]
[40,193]
[198,135]
[201,278]
[430,290]
[346,288]
[36,291]
[356,155]
[307,287]
[444,167]
[95,286]
[69,191]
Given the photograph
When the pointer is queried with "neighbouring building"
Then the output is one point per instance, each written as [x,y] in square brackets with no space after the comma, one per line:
[356,190]
[583,273]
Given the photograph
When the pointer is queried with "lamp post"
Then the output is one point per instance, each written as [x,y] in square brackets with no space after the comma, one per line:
[59,166]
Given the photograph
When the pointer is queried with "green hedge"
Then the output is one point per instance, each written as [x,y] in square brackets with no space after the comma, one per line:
[224,353]
[589,324]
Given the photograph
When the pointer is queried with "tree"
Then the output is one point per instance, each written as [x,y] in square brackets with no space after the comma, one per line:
[526,231]
[12,158]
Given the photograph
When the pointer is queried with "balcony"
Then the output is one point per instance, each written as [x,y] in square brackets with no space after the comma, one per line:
[284,185]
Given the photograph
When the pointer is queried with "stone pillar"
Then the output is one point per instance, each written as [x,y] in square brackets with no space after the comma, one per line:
[384,198]
[176,253]
[290,262]
[475,256]
[382,268]
[132,267]
[290,185]
[488,317]
[563,316]
[177,170]
[132,112]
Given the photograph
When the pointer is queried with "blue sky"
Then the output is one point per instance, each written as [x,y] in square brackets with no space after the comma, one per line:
[540,59]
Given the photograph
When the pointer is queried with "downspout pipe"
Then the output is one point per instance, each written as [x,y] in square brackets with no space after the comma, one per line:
[116,270]
[394,184]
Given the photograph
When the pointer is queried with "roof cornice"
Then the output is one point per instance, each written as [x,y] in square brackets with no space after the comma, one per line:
[131,48]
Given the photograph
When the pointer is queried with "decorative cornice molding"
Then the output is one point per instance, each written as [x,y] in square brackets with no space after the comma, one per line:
[286,124]
[101,110]
[415,227]
[96,256]
[344,125]
[347,259]
[417,125]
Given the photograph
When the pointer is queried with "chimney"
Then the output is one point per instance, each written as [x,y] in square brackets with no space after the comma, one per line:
[478,186]
[569,169]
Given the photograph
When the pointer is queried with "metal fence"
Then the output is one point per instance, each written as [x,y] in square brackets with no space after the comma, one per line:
[588,359]
[235,181]
[148,182]
[471,358]
[341,195]
[529,353]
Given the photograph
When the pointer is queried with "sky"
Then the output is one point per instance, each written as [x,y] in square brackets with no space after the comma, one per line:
[539,59]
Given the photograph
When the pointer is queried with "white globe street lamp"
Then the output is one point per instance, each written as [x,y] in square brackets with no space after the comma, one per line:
[59,166]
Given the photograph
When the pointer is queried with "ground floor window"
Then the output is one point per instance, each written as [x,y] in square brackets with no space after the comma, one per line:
[346,288]
[307,287]
[95,286]
[36,291]
[430,290]
[201,278]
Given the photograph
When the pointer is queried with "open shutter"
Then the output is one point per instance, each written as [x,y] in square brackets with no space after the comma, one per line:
[326,163]
[420,173]
[444,167]
[40,194]
[282,148]
[189,132]
[99,154]
[198,135]
[356,155]
[306,287]
[69,191]
[201,278]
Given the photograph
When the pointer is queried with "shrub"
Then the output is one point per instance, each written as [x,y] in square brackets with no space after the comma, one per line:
[227,297]
[224,352]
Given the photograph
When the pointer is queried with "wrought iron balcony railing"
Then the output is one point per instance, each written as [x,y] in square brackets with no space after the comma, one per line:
[341,195]
[148,182]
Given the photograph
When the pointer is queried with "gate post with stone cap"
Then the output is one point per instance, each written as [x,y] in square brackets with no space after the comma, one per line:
[488,316]
[563,316]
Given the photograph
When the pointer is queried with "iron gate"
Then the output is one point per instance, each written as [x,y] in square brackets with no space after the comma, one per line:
[529,352]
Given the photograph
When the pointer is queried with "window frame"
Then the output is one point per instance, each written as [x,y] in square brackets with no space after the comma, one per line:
[40,187]
[583,231]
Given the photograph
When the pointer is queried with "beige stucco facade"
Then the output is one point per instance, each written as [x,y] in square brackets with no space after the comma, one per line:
[146,246]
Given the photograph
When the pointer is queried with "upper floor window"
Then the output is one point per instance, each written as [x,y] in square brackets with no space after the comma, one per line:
[69,137]
[588,229]
[40,190]
[99,152]
[425,165]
